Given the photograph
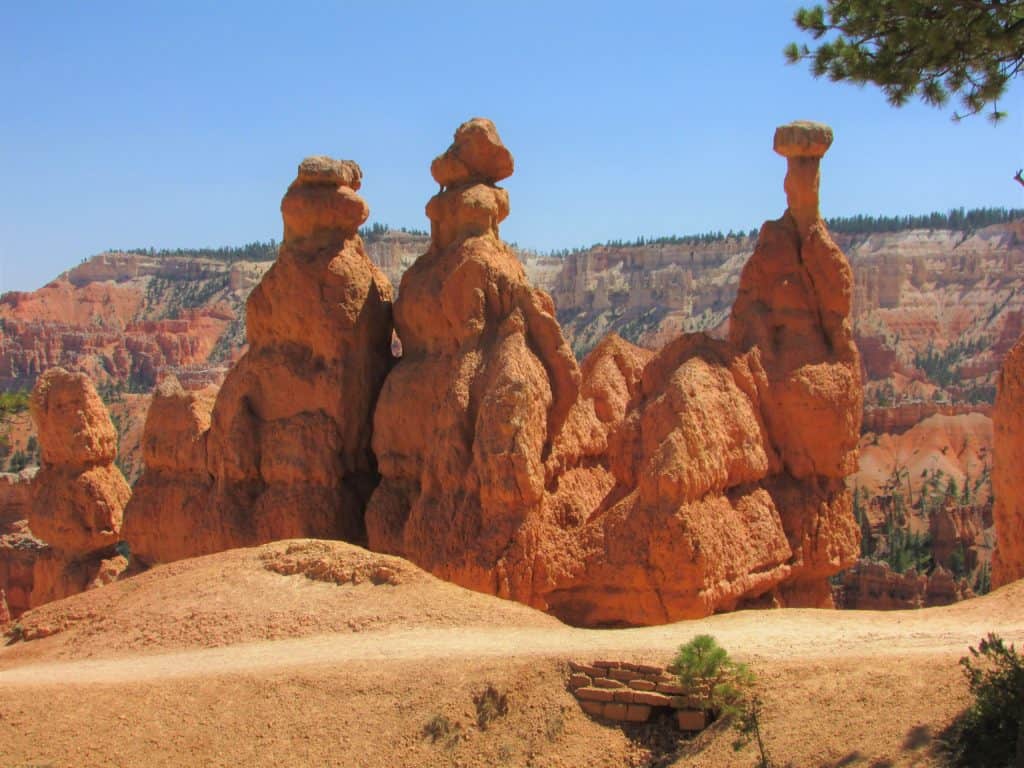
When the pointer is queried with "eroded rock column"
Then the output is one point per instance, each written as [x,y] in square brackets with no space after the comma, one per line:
[1007,466]
[793,306]
[287,452]
[467,418]
[78,495]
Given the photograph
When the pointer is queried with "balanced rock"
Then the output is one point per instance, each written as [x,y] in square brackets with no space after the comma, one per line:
[793,308]
[287,451]
[476,155]
[1007,479]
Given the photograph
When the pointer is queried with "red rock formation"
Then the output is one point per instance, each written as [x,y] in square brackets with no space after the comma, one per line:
[642,489]
[78,494]
[898,419]
[466,419]
[874,586]
[957,529]
[729,466]
[793,306]
[287,452]
[73,504]
[119,354]
[19,549]
[168,517]
[1007,479]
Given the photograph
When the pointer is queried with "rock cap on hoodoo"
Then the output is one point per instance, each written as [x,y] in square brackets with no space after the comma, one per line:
[323,199]
[475,156]
[803,138]
[72,421]
[320,169]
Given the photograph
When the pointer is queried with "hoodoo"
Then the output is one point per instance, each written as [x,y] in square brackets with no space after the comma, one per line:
[287,448]
[634,489]
[468,416]
[1007,478]
[73,505]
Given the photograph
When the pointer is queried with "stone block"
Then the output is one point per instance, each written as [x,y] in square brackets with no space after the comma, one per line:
[647,669]
[594,694]
[593,708]
[642,685]
[691,719]
[586,669]
[604,682]
[627,665]
[606,664]
[579,680]
[625,696]
[654,699]
[672,689]
[623,675]
[616,711]
[637,713]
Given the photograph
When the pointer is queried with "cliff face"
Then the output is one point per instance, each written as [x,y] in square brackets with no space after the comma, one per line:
[285,451]
[124,319]
[1007,481]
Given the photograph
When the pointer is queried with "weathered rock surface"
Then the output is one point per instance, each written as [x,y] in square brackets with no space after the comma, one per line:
[59,525]
[466,419]
[120,334]
[728,490]
[78,496]
[639,489]
[285,451]
[1007,478]
[169,517]
[874,586]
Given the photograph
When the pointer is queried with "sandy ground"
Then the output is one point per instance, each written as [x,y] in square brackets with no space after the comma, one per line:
[225,660]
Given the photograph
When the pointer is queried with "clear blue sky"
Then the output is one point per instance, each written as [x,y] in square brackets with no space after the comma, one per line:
[182,125]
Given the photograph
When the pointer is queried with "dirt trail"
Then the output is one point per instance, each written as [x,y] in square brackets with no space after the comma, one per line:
[776,635]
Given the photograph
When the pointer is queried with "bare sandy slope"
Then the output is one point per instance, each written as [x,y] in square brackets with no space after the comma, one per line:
[316,653]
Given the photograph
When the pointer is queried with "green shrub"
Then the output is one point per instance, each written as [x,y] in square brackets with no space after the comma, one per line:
[990,734]
[14,402]
[702,662]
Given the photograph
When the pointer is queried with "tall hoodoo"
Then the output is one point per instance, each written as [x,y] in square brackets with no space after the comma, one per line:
[287,452]
[637,488]
[640,489]
[467,417]
[793,306]
[1007,478]
[729,460]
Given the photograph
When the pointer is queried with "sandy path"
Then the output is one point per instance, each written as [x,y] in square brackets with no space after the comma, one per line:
[776,635]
